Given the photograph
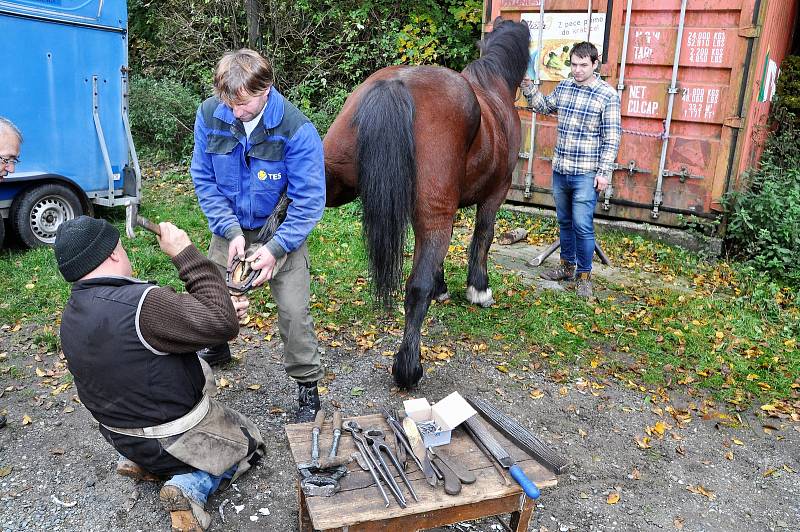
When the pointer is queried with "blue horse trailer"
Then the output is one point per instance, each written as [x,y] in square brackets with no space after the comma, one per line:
[65,85]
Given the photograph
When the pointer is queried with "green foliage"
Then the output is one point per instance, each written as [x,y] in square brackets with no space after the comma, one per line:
[321,49]
[787,91]
[162,118]
[764,223]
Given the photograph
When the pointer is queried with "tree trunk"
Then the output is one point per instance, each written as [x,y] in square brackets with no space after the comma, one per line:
[253,8]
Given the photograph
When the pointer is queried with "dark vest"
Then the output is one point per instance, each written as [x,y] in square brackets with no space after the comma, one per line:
[120,379]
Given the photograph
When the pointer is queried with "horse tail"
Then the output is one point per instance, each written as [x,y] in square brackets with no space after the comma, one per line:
[386,180]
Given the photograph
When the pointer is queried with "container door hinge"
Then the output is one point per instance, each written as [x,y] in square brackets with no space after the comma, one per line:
[750,32]
[735,122]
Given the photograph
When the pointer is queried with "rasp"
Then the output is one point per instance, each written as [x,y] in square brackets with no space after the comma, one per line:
[502,456]
[515,432]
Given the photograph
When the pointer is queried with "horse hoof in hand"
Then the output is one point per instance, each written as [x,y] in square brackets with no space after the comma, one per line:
[483,299]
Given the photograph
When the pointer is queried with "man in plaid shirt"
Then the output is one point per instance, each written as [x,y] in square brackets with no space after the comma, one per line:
[586,148]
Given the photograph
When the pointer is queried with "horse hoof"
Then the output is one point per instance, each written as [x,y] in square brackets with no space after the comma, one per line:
[483,299]
[441,298]
[405,376]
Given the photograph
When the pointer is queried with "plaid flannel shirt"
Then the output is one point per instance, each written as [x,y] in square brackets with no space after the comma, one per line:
[588,125]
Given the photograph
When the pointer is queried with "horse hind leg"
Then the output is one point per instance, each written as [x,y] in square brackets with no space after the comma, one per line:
[478,291]
[420,288]
[440,292]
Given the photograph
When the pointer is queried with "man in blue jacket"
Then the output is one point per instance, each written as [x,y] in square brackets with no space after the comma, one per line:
[251,146]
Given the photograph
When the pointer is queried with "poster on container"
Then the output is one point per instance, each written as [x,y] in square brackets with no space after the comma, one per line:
[560,32]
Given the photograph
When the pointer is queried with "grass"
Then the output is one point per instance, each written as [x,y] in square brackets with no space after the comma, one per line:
[721,327]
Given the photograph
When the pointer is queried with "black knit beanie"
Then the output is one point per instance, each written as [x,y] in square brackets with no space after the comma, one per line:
[82,245]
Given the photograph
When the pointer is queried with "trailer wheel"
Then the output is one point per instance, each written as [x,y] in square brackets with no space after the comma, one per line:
[38,211]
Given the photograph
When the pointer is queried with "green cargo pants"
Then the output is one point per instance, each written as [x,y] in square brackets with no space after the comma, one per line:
[291,290]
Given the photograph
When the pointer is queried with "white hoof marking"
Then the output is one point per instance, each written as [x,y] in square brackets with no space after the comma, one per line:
[483,299]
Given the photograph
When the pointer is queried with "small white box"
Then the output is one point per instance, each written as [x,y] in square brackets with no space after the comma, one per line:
[451,411]
[447,414]
[418,409]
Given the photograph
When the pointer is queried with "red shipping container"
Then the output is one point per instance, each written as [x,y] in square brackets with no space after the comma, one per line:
[717,60]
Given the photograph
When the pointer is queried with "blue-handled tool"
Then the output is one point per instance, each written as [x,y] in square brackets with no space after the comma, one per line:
[501,455]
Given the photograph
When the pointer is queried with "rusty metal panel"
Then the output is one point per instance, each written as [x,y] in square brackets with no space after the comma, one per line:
[728,53]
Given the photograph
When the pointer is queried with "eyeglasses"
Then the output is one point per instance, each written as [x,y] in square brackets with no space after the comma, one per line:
[8,160]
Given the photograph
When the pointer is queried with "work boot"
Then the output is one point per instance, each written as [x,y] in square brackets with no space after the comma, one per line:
[216,355]
[2,421]
[565,271]
[584,286]
[307,401]
[186,514]
[130,469]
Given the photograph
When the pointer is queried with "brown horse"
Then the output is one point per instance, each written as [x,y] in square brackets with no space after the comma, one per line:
[418,143]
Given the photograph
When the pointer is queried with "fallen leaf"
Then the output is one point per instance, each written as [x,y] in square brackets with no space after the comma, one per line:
[357,391]
[702,490]
[57,451]
[5,471]
[636,474]
[223,382]
[40,372]
[537,393]
[678,522]
[582,433]
[563,391]
[323,390]
[769,472]
[30,286]
[254,387]
[26,419]
[643,442]
[737,442]
[729,455]
[613,497]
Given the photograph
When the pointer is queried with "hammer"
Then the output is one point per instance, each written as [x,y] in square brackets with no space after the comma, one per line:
[133,219]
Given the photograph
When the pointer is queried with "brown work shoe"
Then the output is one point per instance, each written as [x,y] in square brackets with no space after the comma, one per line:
[565,271]
[584,285]
[186,515]
[130,469]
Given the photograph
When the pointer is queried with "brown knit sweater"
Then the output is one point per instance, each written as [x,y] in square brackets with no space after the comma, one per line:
[203,316]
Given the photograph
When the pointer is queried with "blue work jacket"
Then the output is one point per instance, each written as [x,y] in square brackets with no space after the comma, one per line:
[238,180]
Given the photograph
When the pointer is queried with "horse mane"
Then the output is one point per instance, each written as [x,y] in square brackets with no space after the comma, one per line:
[504,55]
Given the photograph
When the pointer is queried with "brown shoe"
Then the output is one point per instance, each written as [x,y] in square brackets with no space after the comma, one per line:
[564,272]
[130,469]
[584,285]
[186,515]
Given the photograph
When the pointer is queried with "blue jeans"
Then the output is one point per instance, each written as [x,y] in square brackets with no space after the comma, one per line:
[575,199]
[198,485]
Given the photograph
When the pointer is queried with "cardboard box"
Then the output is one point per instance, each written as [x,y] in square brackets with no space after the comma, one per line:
[445,415]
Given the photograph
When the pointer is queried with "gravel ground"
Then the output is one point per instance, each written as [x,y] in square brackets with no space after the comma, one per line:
[702,473]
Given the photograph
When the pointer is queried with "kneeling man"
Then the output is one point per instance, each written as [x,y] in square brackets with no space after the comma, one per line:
[131,347]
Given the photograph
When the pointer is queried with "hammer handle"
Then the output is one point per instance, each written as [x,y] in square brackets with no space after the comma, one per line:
[147,224]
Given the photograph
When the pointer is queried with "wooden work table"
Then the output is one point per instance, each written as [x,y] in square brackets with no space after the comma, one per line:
[358,506]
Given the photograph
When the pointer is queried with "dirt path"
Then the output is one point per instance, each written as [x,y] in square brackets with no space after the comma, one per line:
[694,471]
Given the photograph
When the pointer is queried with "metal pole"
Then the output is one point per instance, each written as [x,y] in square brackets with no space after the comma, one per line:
[622,63]
[101,138]
[536,83]
[673,89]
[589,31]
[620,87]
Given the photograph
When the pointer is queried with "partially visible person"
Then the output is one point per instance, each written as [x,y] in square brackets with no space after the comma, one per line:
[583,160]
[10,144]
[131,348]
[252,146]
